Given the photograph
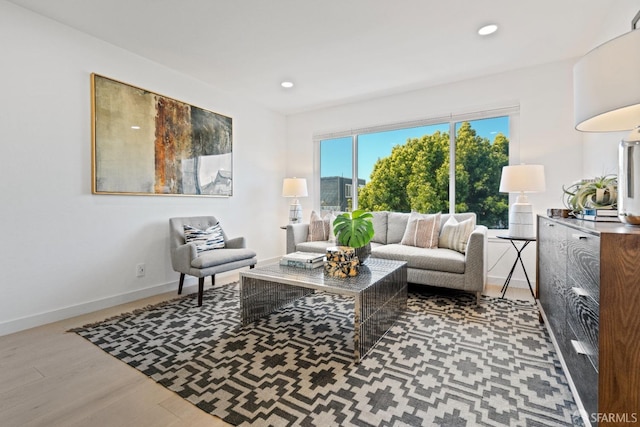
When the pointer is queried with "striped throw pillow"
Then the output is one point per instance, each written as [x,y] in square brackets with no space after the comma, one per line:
[422,230]
[318,228]
[454,234]
[205,240]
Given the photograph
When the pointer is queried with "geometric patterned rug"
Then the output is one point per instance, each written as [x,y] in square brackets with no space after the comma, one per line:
[446,362]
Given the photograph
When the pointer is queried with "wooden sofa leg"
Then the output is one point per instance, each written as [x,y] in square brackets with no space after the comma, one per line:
[213,280]
[181,283]
[251,266]
[478,297]
[200,290]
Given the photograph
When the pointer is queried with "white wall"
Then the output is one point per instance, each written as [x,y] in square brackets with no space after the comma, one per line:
[545,133]
[65,251]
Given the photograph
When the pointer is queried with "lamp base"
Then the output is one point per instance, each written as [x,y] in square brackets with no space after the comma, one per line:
[295,212]
[521,220]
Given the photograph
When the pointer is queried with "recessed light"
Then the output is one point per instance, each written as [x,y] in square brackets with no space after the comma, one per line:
[287,84]
[488,29]
[135,127]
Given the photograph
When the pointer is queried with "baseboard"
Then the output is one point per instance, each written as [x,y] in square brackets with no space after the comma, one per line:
[515,283]
[39,319]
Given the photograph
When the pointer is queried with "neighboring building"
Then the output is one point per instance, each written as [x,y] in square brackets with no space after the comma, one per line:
[336,193]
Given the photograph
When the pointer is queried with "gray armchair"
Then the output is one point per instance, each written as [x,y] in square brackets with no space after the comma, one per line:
[185,258]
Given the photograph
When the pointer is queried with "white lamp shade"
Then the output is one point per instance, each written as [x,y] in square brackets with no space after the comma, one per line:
[522,179]
[606,86]
[294,187]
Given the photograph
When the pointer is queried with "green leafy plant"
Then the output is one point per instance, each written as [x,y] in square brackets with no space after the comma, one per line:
[599,193]
[354,229]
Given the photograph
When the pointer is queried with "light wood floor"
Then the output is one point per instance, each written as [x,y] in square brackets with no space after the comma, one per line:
[49,377]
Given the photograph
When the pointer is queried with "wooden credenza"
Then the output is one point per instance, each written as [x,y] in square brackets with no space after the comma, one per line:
[589,294]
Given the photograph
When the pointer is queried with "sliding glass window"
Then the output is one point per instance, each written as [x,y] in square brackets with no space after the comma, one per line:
[404,169]
[420,168]
[482,149]
[336,173]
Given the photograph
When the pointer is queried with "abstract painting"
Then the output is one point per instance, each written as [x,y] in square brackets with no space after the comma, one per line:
[150,144]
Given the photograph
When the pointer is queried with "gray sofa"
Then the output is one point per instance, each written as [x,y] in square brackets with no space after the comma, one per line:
[439,267]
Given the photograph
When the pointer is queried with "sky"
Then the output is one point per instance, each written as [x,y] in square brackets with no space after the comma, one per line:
[336,157]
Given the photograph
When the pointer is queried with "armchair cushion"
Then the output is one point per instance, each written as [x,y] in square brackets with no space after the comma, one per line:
[213,258]
[205,240]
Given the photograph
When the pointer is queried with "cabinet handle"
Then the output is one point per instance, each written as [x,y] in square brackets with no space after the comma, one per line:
[580,292]
[579,236]
[578,347]
[550,224]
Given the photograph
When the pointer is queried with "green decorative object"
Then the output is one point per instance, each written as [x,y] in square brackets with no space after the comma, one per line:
[355,229]
[597,193]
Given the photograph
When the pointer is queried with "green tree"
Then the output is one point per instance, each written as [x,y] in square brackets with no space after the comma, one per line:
[478,168]
[428,187]
[416,177]
[387,189]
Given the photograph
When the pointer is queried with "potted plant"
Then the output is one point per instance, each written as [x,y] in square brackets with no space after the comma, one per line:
[355,229]
[598,193]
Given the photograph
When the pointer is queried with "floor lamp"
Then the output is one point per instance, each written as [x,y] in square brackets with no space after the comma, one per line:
[294,187]
[606,88]
[522,179]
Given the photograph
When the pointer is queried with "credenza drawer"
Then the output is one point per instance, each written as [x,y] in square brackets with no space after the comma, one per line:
[583,262]
[552,251]
[583,318]
[582,372]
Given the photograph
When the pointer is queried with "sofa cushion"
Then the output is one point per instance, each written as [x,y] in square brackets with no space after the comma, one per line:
[318,228]
[454,234]
[422,230]
[396,225]
[437,259]
[205,240]
[316,247]
[379,227]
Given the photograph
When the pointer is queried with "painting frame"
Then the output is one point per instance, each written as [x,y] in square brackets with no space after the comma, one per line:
[145,143]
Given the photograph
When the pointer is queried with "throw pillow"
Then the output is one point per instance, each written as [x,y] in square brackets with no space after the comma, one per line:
[454,234]
[205,240]
[318,228]
[422,230]
[331,217]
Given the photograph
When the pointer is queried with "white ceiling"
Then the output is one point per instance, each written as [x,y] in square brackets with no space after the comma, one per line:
[336,51]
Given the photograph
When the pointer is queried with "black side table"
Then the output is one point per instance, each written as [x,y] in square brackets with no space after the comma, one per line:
[519,250]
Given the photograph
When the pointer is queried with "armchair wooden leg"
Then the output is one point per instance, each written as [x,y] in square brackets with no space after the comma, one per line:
[200,290]
[251,266]
[181,283]
[213,280]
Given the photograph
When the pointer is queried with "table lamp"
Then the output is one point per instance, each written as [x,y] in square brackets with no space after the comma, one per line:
[522,179]
[606,90]
[294,187]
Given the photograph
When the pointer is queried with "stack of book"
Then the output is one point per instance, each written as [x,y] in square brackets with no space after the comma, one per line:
[603,215]
[303,260]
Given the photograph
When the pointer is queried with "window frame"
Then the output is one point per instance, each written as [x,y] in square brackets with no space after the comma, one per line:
[513,112]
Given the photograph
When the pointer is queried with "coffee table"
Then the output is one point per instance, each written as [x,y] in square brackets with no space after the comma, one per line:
[379,290]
